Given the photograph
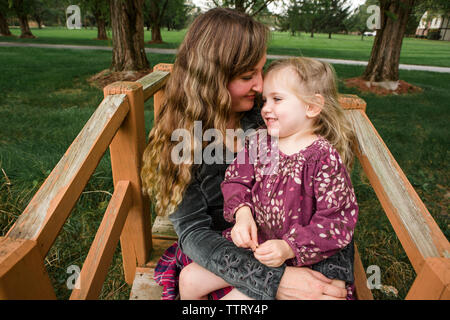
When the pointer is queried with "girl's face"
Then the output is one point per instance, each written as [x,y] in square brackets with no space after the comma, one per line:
[284,113]
[244,87]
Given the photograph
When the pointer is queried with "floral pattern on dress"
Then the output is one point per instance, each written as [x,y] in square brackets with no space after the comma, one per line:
[307,199]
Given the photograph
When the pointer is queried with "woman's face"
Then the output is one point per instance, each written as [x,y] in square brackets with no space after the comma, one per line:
[244,87]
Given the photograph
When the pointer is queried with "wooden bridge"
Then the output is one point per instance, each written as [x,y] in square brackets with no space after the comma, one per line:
[118,123]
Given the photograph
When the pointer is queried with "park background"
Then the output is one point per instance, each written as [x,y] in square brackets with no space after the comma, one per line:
[48,94]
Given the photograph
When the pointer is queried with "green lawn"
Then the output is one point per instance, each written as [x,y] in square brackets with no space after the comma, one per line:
[45,101]
[351,47]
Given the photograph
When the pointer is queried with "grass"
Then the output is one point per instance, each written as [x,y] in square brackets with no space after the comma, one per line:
[350,47]
[46,100]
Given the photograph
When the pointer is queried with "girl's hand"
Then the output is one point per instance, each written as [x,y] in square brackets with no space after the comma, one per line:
[244,232]
[273,253]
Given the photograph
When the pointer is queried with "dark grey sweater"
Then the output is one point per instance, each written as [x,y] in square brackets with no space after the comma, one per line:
[198,221]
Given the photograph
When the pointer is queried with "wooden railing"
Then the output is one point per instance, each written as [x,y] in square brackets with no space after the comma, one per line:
[119,123]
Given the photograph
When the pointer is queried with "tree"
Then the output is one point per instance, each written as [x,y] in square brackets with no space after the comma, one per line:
[384,60]
[100,11]
[127,23]
[22,8]
[176,15]
[252,7]
[156,10]
[358,20]
[335,13]
[4,28]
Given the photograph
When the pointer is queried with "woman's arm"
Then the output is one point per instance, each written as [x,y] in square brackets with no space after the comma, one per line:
[237,266]
[208,248]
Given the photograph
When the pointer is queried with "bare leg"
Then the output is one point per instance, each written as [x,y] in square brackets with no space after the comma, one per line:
[196,282]
[235,294]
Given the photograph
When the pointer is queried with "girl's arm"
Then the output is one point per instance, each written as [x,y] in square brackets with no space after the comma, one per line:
[332,225]
[237,185]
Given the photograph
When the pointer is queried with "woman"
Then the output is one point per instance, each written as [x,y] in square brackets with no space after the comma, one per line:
[216,79]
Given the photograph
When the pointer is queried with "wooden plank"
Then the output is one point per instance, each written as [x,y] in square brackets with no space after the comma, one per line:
[96,265]
[163,228]
[158,97]
[22,271]
[152,82]
[419,234]
[351,101]
[362,291]
[51,205]
[144,286]
[432,282]
[126,151]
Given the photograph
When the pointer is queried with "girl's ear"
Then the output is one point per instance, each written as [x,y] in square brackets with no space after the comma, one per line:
[313,109]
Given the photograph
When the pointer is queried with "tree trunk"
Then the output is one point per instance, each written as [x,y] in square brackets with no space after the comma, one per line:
[4,28]
[127,23]
[329,35]
[101,25]
[156,34]
[156,11]
[383,64]
[25,31]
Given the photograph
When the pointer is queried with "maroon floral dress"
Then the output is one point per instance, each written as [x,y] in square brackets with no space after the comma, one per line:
[306,198]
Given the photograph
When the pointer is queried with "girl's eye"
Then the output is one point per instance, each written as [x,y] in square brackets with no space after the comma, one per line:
[276,99]
[264,100]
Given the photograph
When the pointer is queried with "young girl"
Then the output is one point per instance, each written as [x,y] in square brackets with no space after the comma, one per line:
[303,210]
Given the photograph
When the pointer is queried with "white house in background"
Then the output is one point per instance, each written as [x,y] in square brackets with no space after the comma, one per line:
[437,23]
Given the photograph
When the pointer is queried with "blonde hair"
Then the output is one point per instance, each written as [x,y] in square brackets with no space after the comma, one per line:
[317,77]
[220,45]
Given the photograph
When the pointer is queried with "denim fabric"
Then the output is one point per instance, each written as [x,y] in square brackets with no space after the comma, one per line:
[198,222]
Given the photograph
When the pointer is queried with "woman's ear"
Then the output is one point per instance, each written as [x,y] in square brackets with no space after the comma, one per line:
[313,109]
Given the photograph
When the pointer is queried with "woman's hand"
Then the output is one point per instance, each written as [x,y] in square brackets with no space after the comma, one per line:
[273,253]
[244,232]
[306,284]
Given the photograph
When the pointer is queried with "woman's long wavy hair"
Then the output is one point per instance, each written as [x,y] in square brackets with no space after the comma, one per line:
[318,77]
[219,46]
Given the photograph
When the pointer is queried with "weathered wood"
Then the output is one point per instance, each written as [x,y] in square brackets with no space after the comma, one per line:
[351,101]
[144,286]
[419,234]
[153,82]
[126,151]
[22,271]
[362,291]
[163,229]
[432,282]
[96,265]
[47,211]
[159,95]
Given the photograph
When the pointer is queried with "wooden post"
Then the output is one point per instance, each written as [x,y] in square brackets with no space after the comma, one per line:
[126,158]
[433,281]
[22,271]
[159,96]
